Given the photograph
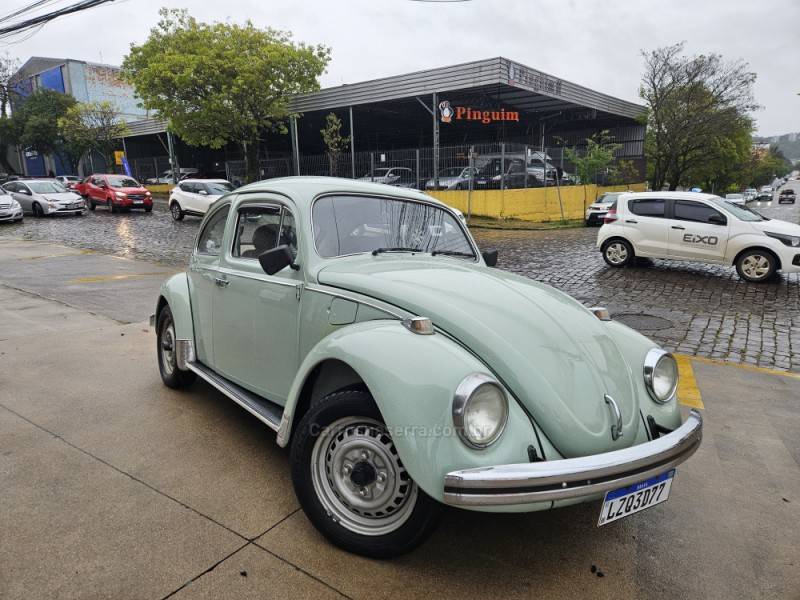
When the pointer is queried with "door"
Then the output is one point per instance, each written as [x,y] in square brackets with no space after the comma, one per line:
[97,191]
[15,189]
[646,226]
[204,278]
[255,314]
[697,231]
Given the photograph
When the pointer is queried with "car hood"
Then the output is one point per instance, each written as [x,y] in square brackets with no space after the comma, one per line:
[447,180]
[130,190]
[776,226]
[554,355]
[62,196]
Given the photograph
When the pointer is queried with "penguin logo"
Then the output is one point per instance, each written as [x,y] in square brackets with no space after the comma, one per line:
[445,111]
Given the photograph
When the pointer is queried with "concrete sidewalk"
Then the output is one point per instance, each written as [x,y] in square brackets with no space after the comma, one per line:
[114,486]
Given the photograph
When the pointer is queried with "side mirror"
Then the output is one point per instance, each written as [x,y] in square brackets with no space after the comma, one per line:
[717,220]
[490,257]
[276,259]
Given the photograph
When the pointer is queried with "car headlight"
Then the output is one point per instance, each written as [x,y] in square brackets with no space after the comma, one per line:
[14,205]
[480,410]
[120,194]
[660,375]
[789,240]
[52,204]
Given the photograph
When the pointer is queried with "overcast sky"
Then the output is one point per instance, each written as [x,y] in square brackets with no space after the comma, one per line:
[589,42]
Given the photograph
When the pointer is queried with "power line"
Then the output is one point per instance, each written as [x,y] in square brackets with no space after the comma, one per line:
[46,17]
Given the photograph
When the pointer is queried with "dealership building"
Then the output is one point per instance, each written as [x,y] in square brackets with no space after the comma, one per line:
[424,121]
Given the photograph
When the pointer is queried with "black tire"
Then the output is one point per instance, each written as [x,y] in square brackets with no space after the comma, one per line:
[756,265]
[176,211]
[111,207]
[38,211]
[618,253]
[354,412]
[171,375]
[148,209]
[90,204]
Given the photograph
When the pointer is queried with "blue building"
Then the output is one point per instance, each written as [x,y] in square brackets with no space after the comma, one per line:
[84,81]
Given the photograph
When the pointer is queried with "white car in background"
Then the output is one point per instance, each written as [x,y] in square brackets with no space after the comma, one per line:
[194,196]
[750,194]
[42,197]
[597,210]
[10,210]
[736,199]
[698,227]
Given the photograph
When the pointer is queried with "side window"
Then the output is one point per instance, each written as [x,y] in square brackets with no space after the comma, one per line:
[184,187]
[647,207]
[210,241]
[686,210]
[12,187]
[257,230]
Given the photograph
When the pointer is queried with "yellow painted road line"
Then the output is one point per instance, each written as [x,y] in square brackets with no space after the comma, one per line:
[744,366]
[41,256]
[688,392]
[101,278]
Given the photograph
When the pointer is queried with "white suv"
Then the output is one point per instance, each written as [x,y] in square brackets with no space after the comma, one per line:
[698,227]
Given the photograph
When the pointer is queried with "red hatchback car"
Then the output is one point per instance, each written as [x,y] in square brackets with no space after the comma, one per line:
[117,192]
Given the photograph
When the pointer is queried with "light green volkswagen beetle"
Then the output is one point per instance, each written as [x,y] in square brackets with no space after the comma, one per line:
[362,324]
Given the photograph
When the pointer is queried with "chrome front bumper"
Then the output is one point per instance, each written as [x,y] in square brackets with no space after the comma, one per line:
[573,477]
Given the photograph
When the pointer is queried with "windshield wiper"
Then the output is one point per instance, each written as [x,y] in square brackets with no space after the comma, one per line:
[452,253]
[396,249]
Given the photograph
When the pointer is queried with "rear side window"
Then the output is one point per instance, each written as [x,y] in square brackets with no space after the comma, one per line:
[647,207]
[686,210]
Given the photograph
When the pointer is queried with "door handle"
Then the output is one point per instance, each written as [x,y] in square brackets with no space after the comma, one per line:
[631,221]
[678,227]
[221,282]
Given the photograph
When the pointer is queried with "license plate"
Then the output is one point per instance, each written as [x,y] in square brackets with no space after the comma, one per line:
[634,498]
[138,201]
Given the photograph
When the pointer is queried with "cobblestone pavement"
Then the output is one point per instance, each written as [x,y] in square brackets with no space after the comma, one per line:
[686,307]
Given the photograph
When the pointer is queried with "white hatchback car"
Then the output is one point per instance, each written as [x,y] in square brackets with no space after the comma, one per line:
[194,196]
[698,227]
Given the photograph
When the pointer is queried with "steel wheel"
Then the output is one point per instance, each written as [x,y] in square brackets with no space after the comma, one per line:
[167,348]
[359,478]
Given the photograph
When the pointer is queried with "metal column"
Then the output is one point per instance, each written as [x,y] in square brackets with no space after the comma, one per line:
[352,146]
[435,142]
[173,161]
[295,144]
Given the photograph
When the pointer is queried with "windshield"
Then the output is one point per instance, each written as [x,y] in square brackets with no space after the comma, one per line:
[355,224]
[217,188]
[454,172]
[737,210]
[608,197]
[46,187]
[122,182]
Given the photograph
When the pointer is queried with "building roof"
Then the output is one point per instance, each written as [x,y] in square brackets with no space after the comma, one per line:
[38,64]
[511,82]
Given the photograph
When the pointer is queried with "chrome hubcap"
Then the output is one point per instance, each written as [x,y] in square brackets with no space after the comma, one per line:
[617,253]
[359,478]
[168,348]
[755,266]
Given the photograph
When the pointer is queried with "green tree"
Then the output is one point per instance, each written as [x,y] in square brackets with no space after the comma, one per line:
[219,83]
[92,126]
[693,104]
[728,159]
[624,173]
[335,143]
[595,160]
[8,66]
[766,166]
[34,124]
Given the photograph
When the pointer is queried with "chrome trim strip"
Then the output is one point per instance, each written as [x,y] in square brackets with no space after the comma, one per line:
[377,305]
[265,279]
[650,362]
[461,398]
[218,384]
[573,477]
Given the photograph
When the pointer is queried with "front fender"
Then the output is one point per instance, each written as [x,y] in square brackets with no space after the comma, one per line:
[175,292]
[412,379]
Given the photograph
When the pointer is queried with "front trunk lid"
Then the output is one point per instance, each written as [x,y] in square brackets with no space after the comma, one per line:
[553,354]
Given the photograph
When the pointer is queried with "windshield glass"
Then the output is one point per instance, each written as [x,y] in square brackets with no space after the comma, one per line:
[355,224]
[608,197]
[454,172]
[737,210]
[217,188]
[122,182]
[46,187]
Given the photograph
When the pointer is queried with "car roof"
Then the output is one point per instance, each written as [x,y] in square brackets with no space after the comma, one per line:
[674,195]
[197,180]
[303,189]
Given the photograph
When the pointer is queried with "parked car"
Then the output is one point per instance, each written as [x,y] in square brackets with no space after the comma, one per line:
[736,198]
[453,178]
[68,181]
[750,194]
[597,210]
[365,327]
[786,196]
[698,227]
[509,173]
[166,176]
[10,209]
[41,197]
[117,192]
[194,196]
[396,176]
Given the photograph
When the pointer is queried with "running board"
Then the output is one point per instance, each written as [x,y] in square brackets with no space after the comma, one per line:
[261,408]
